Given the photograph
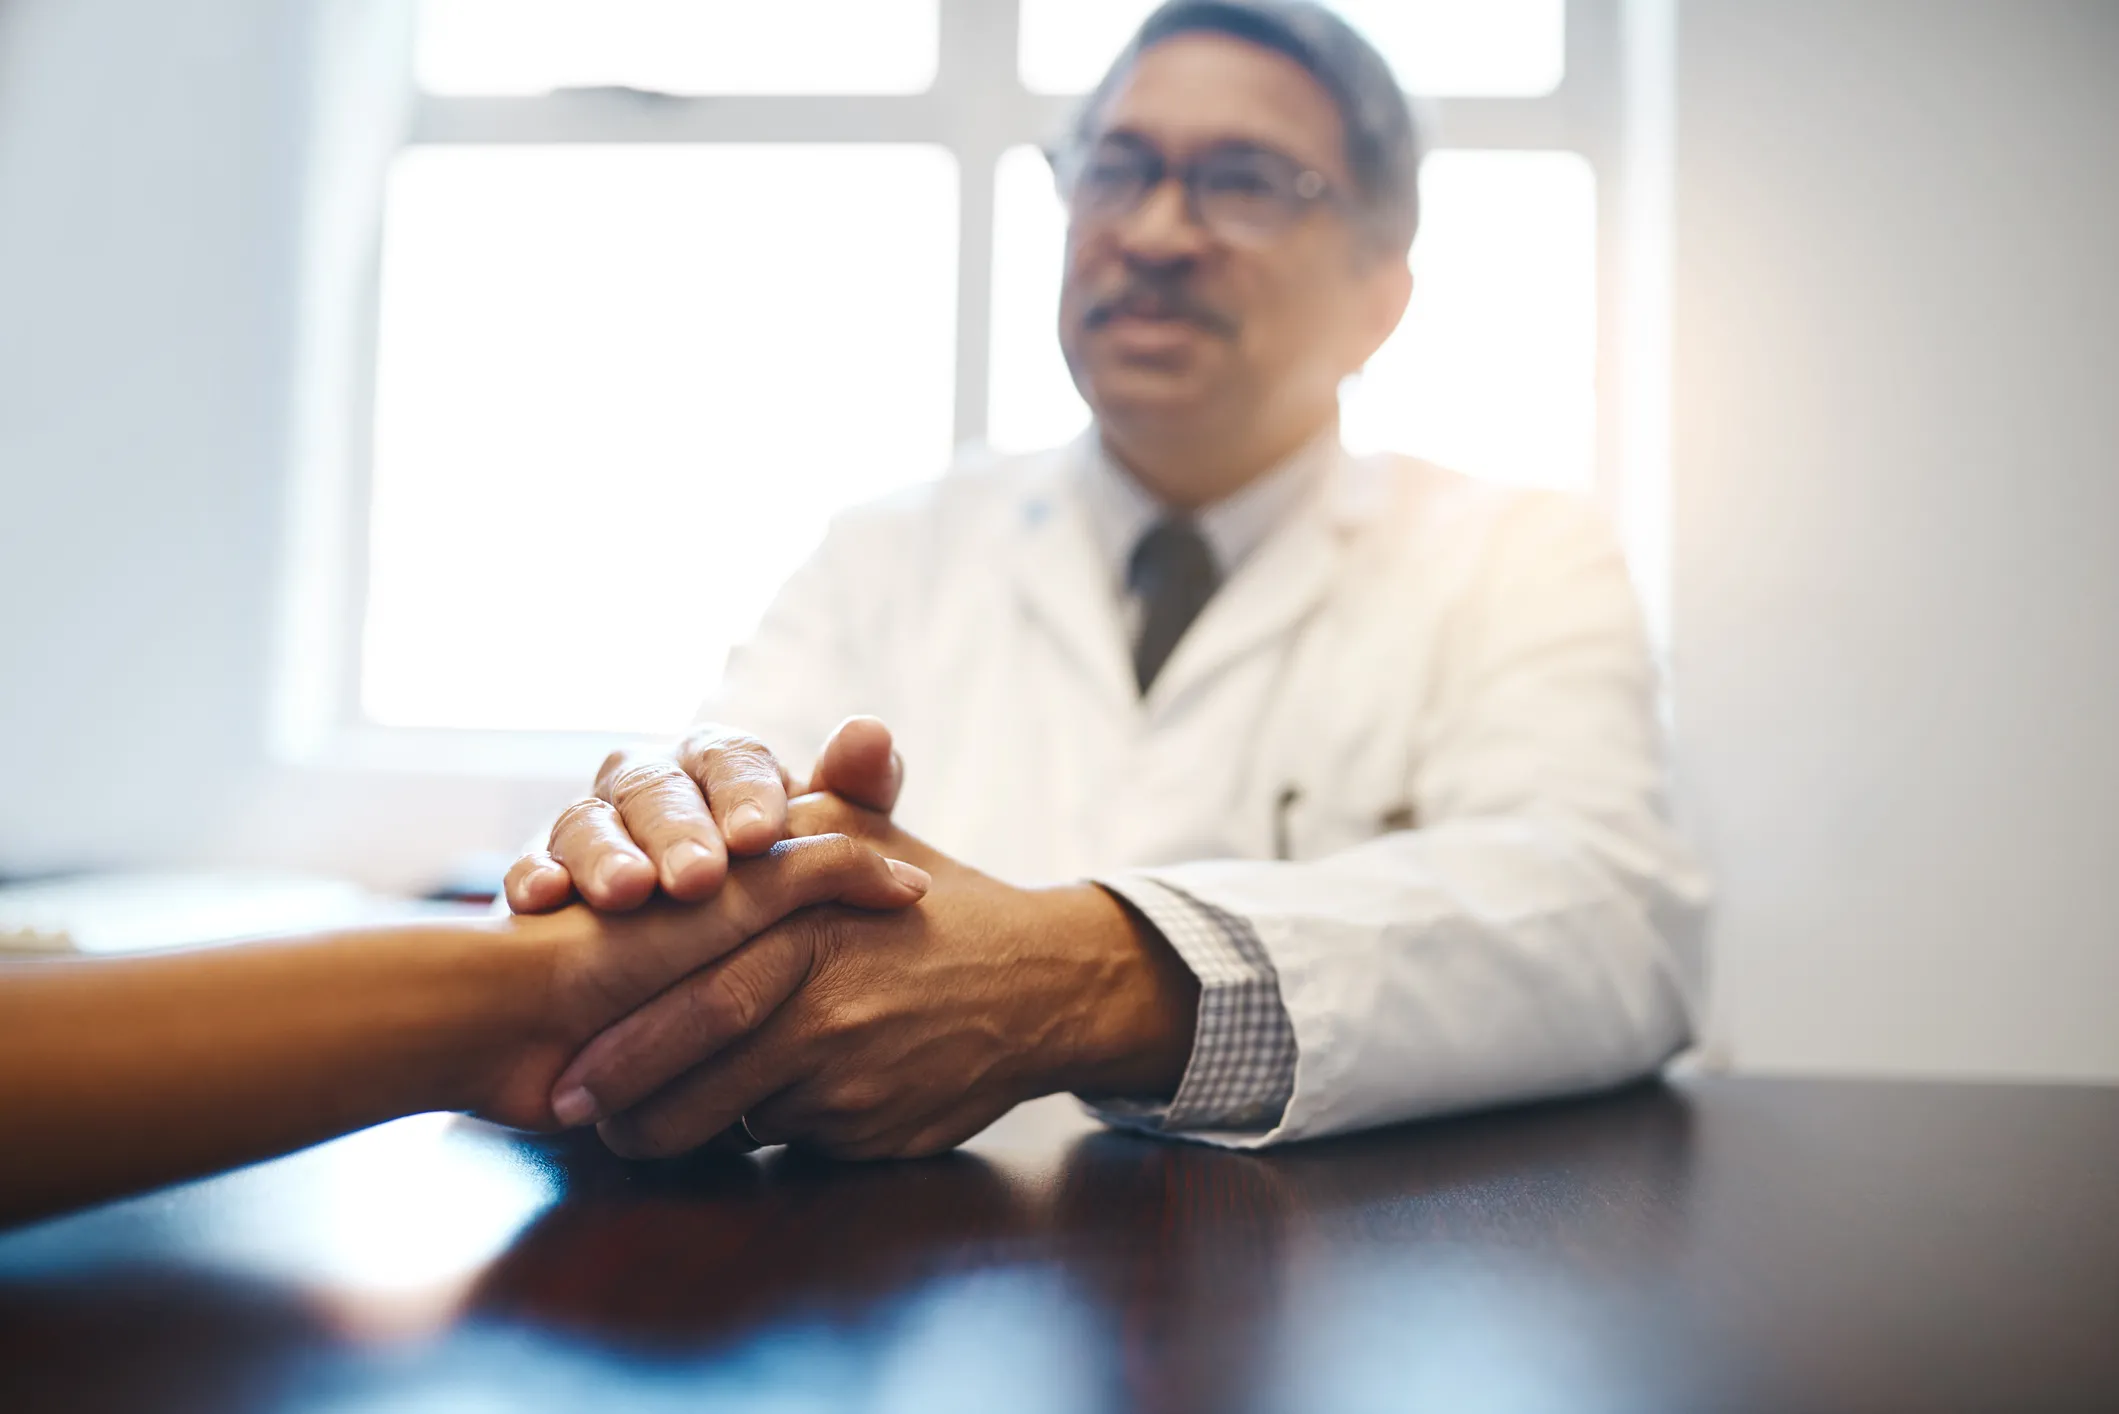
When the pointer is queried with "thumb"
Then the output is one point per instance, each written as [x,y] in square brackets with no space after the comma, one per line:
[802,873]
[661,944]
[860,765]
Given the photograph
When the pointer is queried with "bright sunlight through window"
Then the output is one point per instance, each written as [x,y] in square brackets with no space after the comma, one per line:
[620,390]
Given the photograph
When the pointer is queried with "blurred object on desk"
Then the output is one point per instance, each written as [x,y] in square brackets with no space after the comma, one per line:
[473,879]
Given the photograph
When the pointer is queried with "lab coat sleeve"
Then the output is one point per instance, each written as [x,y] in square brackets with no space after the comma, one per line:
[1539,933]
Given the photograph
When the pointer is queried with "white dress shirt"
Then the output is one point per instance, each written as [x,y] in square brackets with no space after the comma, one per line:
[1121,510]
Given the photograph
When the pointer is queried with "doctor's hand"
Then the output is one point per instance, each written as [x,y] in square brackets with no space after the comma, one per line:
[673,821]
[894,1035]
[592,969]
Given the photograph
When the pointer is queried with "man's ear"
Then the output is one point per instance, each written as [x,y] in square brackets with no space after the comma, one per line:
[1386,288]
[860,764]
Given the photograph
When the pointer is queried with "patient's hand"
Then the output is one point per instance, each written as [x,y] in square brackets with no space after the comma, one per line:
[599,968]
[672,822]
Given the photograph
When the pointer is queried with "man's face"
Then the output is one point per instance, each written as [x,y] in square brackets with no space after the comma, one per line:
[1163,317]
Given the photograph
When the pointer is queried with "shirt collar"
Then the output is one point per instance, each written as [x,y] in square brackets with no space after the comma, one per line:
[1121,509]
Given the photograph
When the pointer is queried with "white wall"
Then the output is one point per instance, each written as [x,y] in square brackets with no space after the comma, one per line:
[1896,578]
[1896,585]
[153,175]
[146,166]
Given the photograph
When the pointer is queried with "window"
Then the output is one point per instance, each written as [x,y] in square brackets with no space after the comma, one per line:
[655,268]
[576,343]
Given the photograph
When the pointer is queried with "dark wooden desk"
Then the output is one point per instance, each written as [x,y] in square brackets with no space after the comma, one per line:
[1710,1245]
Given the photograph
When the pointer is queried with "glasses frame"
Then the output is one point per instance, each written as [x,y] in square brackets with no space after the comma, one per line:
[1311,188]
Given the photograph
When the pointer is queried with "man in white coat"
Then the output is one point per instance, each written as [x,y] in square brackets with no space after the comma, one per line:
[1266,792]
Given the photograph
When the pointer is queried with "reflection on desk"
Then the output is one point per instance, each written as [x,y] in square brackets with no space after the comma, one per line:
[1717,1244]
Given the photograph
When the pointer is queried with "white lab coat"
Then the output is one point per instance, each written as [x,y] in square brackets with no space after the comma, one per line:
[1433,696]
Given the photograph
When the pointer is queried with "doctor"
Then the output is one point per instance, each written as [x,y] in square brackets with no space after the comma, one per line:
[1268,792]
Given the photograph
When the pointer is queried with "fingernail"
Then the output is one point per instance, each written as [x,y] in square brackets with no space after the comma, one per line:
[682,859]
[744,817]
[536,882]
[912,876]
[574,1107]
[614,871]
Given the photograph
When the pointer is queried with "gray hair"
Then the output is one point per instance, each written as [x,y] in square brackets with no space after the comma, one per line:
[1382,145]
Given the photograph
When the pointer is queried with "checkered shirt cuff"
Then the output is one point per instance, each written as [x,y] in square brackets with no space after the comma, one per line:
[1242,1069]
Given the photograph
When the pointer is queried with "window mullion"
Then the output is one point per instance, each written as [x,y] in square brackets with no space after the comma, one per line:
[617,116]
[983,99]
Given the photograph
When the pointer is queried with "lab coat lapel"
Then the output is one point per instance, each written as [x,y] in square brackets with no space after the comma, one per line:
[1060,580]
[1285,580]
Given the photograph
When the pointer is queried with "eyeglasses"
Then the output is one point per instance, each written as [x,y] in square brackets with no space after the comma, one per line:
[1245,195]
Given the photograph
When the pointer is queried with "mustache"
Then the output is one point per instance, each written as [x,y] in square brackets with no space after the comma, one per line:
[1151,298]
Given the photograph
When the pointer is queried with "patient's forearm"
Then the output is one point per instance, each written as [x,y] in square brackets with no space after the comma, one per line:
[121,1073]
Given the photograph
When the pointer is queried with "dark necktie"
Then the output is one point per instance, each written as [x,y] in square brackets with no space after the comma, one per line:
[1173,573]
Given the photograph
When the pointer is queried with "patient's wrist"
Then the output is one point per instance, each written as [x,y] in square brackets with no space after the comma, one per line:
[524,1024]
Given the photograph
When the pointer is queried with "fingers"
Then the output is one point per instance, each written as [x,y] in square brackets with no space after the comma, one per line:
[662,810]
[699,1105]
[860,764]
[819,869]
[859,1117]
[667,822]
[710,1009]
[684,1027]
[591,843]
[744,785]
[668,943]
[831,1114]
[537,883]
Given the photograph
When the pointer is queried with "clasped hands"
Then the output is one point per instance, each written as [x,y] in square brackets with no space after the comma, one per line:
[868,1028]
